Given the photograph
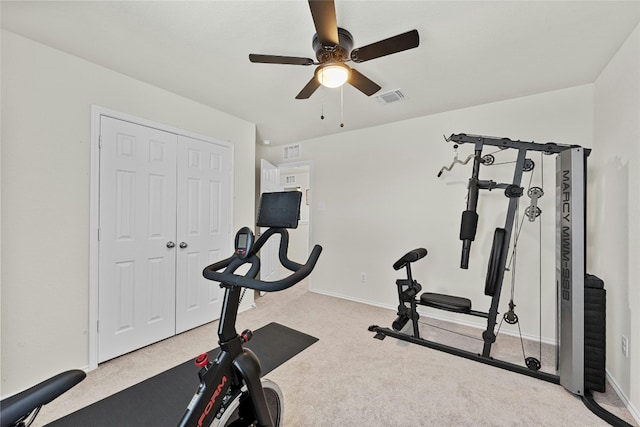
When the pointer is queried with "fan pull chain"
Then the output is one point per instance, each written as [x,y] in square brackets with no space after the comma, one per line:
[322,107]
[342,106]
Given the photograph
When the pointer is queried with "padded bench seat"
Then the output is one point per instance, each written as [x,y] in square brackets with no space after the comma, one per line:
[446,302]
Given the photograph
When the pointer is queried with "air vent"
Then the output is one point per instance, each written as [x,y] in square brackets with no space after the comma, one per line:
[391,97]
[291,152]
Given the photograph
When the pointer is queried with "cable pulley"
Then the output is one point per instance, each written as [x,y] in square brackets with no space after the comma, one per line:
[535,192]
[532,212]
[510,316]
[488,159]
[529,165]
[532,363]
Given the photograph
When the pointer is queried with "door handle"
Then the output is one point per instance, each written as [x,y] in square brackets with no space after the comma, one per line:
[183,245]
[170,244]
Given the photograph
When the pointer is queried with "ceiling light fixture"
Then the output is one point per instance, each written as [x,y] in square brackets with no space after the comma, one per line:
[332,75]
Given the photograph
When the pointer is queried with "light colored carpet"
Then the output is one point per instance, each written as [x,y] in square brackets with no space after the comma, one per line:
[348,378]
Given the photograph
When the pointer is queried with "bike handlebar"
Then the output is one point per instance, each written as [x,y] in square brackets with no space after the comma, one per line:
[229,265]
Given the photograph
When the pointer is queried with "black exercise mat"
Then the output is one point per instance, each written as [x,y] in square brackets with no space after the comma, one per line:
[161,400]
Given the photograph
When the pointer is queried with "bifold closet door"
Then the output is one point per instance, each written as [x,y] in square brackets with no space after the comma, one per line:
[137,267]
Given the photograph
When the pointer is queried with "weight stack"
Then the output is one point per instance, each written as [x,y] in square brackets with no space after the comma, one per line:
[595,306]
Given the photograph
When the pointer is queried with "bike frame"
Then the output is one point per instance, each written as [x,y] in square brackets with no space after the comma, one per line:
[236,366]
[233,366]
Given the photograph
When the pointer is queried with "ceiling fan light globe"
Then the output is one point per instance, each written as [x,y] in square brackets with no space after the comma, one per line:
[332,75]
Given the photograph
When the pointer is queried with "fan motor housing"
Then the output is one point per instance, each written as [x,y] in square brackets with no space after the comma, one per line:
[333,53]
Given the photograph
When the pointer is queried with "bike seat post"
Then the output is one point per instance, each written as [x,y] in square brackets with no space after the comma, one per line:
[227,327]
[409,276]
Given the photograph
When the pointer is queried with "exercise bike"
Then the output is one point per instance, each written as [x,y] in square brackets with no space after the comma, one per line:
[231,392]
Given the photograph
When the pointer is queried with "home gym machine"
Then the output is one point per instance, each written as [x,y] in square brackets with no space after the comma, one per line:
[580,298]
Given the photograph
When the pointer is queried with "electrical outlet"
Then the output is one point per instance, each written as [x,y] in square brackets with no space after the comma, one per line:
[625,346]
[363,277]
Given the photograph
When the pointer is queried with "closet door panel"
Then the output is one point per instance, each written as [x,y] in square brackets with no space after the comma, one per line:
[136,289]
[204,205]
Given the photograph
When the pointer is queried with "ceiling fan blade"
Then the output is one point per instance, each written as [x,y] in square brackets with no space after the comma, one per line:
[362,83]
[385,47]
[274,59]
[308,90]
[324,18]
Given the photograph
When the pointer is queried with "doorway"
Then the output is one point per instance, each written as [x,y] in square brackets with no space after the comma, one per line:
[288,177]
[297,177]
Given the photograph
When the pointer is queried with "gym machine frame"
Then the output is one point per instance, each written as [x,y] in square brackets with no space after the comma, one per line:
[570,256]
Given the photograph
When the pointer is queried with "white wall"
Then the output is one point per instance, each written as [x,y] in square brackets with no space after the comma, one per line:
[614,238]
[376,196]
[46,101]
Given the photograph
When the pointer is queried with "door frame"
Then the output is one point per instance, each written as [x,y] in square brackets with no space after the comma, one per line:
[309,165]
[269,252]
[94,206]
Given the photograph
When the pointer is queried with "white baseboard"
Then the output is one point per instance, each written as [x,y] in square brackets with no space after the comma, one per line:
[349,298]
[616,387]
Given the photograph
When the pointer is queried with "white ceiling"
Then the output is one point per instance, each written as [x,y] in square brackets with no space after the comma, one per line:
[470,53]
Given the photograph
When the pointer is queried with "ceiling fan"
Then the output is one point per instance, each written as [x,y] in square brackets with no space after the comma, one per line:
[333,47]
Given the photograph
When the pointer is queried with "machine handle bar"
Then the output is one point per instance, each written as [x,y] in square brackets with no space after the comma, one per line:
[229,265]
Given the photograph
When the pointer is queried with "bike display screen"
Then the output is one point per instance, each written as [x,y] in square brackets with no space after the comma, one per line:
[244,243]
[279,210]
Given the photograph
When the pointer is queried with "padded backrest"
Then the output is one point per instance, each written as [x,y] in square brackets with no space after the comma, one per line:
[409,257]
[493,268]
